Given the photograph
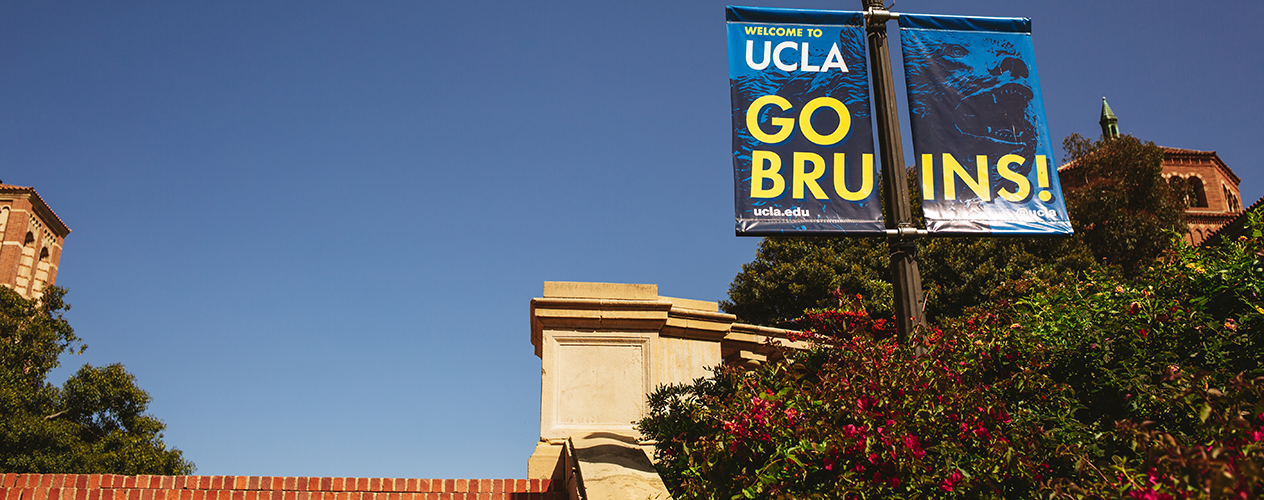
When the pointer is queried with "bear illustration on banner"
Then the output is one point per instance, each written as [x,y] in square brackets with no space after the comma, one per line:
[978,122]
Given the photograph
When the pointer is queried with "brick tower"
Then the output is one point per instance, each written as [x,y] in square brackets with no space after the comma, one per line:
[32,236]
[1206,185]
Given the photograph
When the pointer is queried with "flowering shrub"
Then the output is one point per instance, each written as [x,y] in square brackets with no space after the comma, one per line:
[1103,387]
[1167,368]
[860,415]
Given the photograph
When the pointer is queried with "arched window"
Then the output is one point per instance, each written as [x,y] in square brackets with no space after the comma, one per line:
[1231,200]
[1200,195]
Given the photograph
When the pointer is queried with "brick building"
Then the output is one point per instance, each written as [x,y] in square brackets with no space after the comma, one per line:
[32,237]
[1207,185]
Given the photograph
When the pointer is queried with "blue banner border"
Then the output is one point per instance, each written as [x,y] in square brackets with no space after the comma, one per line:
[963,23]
[738,14]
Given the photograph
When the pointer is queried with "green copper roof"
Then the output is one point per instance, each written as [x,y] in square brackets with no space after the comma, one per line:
[1107,113]
[1109,123]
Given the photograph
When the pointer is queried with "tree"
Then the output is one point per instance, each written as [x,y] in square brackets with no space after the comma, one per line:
[793,274]
[1120,206]
[94,423]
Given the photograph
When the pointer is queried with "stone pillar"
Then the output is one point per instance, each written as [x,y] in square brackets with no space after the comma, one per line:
[604,347]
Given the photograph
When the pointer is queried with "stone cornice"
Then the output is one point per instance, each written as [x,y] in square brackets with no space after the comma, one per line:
[662,316]
[697,324]
[614,307]
[1210,218]
[754,336]
[595,314]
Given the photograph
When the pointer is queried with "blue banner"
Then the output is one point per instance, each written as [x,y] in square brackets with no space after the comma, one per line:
[985,162]
[802,132]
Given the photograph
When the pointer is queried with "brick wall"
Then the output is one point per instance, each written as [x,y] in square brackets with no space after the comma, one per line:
[114,487]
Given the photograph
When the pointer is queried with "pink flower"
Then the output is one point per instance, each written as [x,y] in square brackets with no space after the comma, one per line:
[911,443]
[951,482]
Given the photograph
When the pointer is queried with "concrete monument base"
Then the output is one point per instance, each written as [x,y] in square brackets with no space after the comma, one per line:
[604,347]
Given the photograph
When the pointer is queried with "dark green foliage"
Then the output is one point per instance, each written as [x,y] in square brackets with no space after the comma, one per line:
[791,275]
[94,423]
[33,334]
[959,273]
[1185,194]
[1121,208]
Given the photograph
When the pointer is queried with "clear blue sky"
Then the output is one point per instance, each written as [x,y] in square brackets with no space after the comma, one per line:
[312,230]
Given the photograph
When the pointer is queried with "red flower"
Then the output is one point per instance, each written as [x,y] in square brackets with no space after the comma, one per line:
[910,442]
[951,482]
